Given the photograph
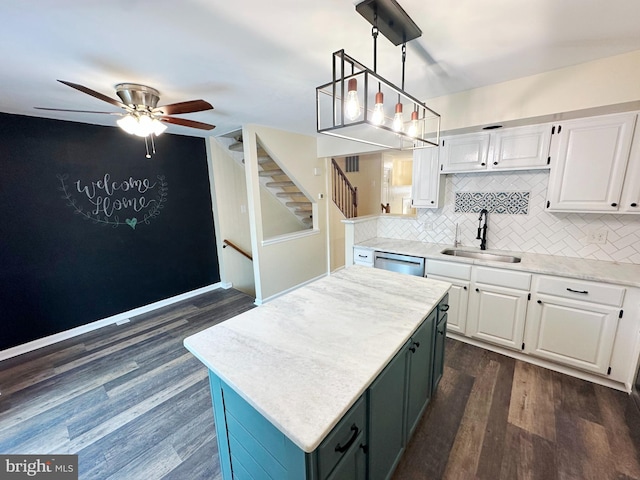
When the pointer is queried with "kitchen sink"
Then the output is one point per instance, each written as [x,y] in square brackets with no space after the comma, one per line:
[454,252]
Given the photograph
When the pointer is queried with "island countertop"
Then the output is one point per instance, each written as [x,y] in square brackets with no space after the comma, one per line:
[303,359]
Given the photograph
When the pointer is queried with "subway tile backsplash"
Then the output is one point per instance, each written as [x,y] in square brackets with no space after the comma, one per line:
[533,230]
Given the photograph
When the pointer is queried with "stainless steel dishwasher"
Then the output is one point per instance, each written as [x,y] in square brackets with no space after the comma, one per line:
[399,263]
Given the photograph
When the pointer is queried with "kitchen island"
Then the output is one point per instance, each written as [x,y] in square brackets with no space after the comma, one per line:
[297,375]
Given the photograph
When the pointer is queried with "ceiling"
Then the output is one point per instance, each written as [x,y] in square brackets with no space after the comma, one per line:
[259,62]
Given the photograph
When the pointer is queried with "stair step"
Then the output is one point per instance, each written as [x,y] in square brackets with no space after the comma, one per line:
[270,173]
[239,147]
[265,160]
[307,220]
[297,193]
[298,204]
[303,211]
[280,184]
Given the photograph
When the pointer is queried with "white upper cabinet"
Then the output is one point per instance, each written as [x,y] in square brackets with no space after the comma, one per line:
[427,189]
[630,201]
[522,147]
[465,153]
[589,159]
[517,148]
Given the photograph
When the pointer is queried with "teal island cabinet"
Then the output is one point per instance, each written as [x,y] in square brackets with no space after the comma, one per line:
[327,381]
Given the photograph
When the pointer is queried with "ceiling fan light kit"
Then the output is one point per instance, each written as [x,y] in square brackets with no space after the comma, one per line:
[347,111]
[143,117]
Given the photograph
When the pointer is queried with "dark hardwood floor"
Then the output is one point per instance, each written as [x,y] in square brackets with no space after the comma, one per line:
[494,417]
[133,403]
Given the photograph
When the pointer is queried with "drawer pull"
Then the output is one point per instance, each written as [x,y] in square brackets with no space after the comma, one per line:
[584,292]
[363,256]
[444,308]
[342,449]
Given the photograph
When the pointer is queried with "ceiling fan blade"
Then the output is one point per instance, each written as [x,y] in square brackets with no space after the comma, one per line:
[186,123]
[183,107]
[77,111]
[95,94]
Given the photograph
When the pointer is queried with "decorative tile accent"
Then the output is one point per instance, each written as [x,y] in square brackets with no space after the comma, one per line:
[563,234]
[514,203]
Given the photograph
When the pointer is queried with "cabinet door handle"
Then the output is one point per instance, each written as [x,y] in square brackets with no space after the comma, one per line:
[495,163]
[441,332]
[540,301]
[477,289]
[634,204]
[465,287]
[614,204]
[417,344]
[413,349]
[342,449]
[584,292]
[362,256]
[483,164]
[445,307]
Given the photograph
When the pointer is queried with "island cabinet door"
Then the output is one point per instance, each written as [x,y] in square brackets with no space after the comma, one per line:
[420,367]
[438,354]
[353,465]
[386,417]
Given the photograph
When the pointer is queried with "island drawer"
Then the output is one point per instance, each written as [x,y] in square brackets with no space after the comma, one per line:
[341,438]
[580,290]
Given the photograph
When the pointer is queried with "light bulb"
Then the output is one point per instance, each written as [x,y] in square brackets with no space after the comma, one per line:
[128,123]
[377,118]
[352,105]
[145,126]
[158,127]
[398,124]
[413,126]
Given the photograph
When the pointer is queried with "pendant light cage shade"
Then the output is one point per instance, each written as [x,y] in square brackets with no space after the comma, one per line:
[334,113]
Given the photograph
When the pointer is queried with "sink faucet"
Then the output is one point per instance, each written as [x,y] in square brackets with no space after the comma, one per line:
[482,229]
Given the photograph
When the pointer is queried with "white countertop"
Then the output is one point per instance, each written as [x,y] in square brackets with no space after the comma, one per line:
[303,359]
[596,270]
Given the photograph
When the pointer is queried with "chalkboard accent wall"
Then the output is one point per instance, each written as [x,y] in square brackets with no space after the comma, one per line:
[90,228]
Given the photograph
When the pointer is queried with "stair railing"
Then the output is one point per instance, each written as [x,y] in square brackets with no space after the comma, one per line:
[226,243]
[345,195]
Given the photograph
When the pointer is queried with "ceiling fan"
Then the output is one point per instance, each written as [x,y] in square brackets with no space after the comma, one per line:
[142,116]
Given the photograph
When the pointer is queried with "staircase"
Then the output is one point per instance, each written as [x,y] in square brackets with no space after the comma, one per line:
[345,195]
[276,181]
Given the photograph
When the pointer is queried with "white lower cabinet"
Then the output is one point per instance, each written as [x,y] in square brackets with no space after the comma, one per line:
[498,306]
[458,275]
[497,315]
[574,323]
[582,327]
[363,256]
[458,300]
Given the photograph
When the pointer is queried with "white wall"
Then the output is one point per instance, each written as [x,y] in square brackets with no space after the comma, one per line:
[601,83]
[231,216]
[284,263]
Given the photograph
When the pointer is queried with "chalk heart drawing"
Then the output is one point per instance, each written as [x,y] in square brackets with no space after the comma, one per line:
[103,199]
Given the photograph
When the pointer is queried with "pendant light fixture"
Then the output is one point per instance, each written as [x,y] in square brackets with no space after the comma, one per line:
[347,111]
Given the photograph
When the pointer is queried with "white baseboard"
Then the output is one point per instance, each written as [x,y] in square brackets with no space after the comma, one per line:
[120,318]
